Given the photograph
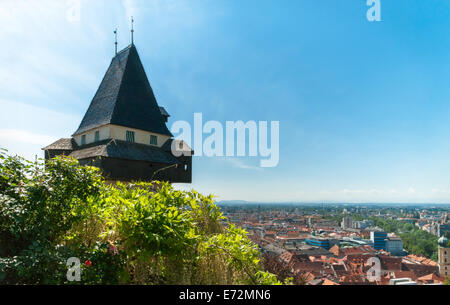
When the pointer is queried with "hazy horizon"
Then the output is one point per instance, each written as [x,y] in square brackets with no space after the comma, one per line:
[330,203]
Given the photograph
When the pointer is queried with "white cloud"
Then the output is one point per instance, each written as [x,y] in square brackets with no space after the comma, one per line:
[440,191]
[20,116]
[130,8]
[347,191]
[23,136]
[25,129]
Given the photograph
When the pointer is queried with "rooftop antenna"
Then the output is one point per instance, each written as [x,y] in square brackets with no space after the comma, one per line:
[132,30]
[115,33]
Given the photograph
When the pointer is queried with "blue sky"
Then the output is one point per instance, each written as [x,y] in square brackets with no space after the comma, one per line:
[363,107]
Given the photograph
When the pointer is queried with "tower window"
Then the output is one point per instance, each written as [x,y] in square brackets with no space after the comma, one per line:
[153,140]
[83,139]
[130,136]
[97,136]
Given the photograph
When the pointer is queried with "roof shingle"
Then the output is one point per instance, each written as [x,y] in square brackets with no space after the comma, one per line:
[62,144]
[125,98]
[124,150]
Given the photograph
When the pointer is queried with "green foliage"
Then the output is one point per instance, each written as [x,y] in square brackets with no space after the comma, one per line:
[143,233]
[267,278]
[106,265]
[37,207]
[415,240]
[237,250]
[154,224]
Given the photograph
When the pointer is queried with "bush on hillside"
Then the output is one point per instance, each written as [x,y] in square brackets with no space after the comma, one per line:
[142,233]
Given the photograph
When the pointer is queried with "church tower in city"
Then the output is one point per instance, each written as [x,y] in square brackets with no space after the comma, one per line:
[444,257]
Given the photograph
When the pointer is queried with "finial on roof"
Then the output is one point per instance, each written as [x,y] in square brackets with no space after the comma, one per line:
[115,33]
[132,30]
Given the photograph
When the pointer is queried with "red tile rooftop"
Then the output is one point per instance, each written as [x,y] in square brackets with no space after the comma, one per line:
[307,277]
[327,282]
[347,279]
[286,257]
[403,274]
[418,259]
[431,278]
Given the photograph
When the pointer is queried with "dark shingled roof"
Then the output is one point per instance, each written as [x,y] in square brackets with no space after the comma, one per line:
[125,98]
[62,144]
[124,150]
[164,112]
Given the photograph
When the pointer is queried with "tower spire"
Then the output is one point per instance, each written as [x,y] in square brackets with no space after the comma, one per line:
[132,30]
[115,33]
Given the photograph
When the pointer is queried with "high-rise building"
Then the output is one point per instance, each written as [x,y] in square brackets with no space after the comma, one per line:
[379,239]
[394,245]
[444,257]
[347,223]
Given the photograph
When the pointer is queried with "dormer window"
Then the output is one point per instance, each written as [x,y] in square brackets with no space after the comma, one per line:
[130,136]
[83,139]
[153,140]
[97,136]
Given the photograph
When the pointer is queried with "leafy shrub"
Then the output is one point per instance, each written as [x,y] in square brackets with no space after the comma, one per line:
[142,233]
